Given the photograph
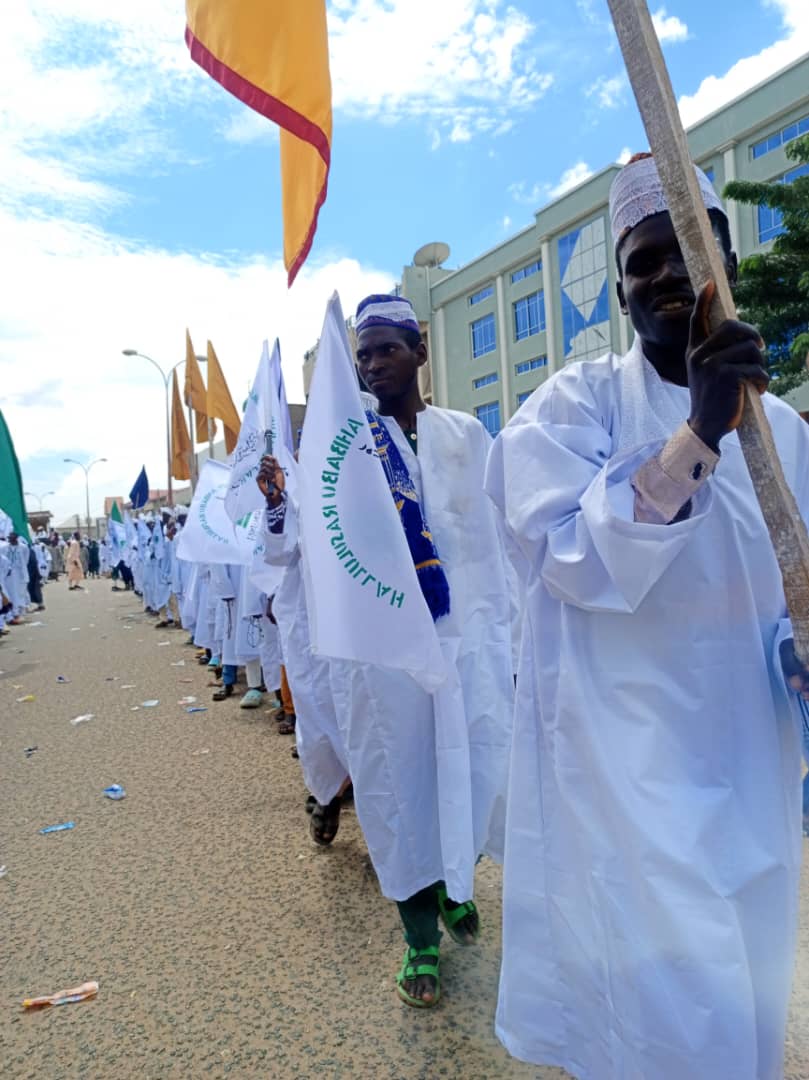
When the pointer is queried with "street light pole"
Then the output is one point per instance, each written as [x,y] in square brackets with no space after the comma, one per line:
[166,377]
[72,461]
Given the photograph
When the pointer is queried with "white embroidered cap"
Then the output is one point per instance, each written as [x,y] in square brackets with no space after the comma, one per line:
[637,194]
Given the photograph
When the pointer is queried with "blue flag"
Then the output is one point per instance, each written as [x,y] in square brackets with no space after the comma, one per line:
[139,494]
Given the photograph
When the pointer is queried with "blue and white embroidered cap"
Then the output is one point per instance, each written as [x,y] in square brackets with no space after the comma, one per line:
[637,194]
[386,310]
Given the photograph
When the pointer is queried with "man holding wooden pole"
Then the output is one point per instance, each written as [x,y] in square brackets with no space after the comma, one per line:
[654,822]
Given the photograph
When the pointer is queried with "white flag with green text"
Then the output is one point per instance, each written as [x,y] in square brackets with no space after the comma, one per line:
[209,536]
[265,429]
[363,597]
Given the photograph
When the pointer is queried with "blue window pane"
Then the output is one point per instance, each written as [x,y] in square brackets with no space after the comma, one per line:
[486,380]
[529,315]
[524,396]
[531,365]
[489,416]
[772,142]
[770,223]
[526,271]
[484,339]
[566,246]
[709,172]
[793,174]
[483,294]
[770,219]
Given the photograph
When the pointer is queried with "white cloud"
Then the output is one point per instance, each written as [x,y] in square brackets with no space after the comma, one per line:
[247,126]
[460,132]
[670,29]
[466,64]
[588,11]
[527,195]
[716,91]
[624,156]
[506,223]
[66,116]
[537,194]
[78,296]
[571,178]
[608,92]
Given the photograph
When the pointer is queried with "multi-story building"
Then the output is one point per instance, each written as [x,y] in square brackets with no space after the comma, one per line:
[500,325]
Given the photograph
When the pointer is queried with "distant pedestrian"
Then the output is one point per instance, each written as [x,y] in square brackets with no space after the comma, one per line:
[34,579]
[93,559]
[75,571]
[57,556]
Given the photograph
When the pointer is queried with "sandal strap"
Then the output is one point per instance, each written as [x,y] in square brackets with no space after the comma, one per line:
[409,972]
[452,916]
[411,969]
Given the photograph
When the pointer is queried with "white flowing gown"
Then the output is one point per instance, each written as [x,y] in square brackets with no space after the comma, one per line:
[654,822]
[429,783]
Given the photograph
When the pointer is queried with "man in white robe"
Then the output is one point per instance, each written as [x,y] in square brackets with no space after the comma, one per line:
[6,526]
[75,573]
[422,788]
[654,817]
[17,578]
[43,559]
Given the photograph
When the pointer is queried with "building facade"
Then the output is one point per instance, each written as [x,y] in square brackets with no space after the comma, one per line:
[500,325]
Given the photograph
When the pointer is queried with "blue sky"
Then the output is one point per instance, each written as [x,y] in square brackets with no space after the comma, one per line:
[138,198]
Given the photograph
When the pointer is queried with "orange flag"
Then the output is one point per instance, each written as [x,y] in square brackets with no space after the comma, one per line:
[220,403]
[194,392]
[275,58]
[180,439]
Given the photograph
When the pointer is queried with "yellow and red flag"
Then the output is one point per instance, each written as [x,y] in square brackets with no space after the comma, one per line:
[220,403]
[180,439]
[195,394]
[275,58]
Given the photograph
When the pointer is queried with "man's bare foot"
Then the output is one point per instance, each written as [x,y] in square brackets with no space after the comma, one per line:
[418,982]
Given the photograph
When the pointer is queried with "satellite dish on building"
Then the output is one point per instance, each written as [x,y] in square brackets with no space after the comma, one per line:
[431,255]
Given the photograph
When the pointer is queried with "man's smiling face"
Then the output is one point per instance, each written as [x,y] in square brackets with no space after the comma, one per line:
[654,289]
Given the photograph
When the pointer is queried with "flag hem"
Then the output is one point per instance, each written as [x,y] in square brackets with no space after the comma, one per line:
[273,109]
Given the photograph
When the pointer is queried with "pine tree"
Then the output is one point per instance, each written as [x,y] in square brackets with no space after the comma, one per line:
[773,288]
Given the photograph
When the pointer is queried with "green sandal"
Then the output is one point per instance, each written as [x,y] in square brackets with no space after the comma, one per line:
[411,970]
[451,916]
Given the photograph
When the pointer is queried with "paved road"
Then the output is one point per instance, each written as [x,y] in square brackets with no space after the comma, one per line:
[225,943]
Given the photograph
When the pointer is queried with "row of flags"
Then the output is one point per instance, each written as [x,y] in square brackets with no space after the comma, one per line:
[208,404]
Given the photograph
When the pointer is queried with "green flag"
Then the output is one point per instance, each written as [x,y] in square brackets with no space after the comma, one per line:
[115,513]
[11,497]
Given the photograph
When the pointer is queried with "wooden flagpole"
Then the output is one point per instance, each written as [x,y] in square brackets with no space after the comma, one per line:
[661,118]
